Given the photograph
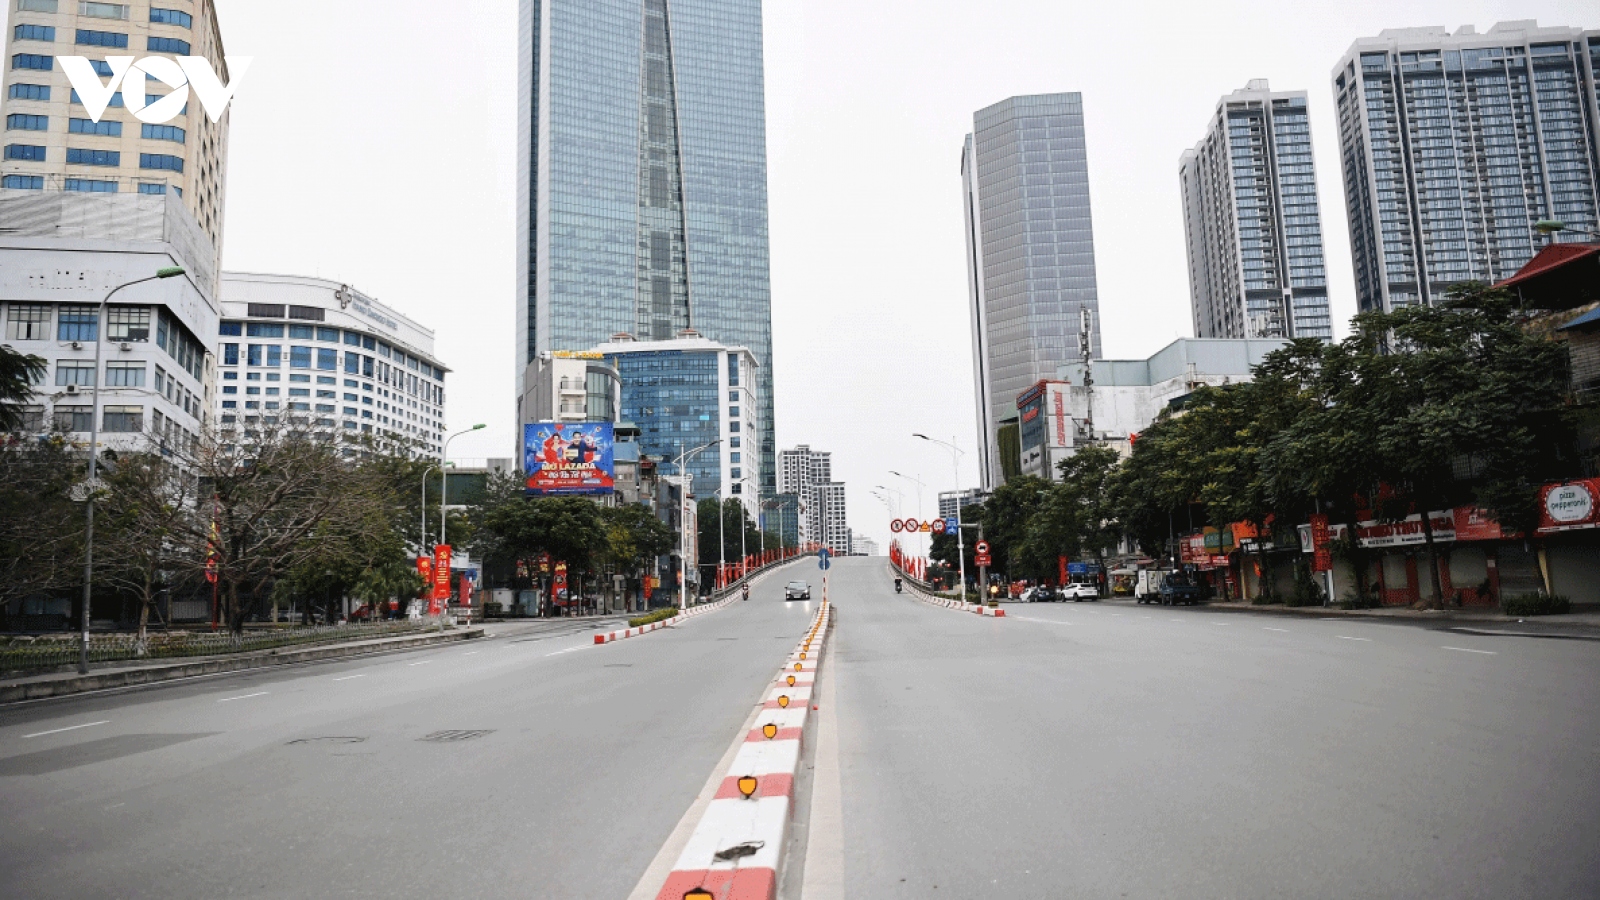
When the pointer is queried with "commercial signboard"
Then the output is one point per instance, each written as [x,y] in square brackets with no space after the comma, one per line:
[1572,506]
[569,458]
[441,574]
[1322,560]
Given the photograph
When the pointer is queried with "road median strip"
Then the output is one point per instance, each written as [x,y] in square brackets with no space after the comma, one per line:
[736,850]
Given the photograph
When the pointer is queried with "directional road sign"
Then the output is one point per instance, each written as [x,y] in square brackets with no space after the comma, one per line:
[824,559]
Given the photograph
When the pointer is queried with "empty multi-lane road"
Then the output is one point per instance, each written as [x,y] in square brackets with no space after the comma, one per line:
[1078,750]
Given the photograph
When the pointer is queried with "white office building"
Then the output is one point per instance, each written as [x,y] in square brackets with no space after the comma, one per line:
[61,254]
[288,344]
[1251,222]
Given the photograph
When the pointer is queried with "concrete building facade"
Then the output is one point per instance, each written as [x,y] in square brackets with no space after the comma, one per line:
[318,349]
[1030,252]
[801,471]
[1454,144]
[1251,221]
[52,142]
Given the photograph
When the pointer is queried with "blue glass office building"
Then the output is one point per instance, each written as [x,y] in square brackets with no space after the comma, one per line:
[642,189]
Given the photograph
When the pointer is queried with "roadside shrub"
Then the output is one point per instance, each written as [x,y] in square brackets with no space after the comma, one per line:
[1535,605]
[655,615]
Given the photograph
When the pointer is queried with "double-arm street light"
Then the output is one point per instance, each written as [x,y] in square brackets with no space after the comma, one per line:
[100,325]
[919,483]
[444,477]
[1549,227]
[683,518]
[961,540]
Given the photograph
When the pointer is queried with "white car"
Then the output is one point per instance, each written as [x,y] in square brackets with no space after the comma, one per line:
[1078,592]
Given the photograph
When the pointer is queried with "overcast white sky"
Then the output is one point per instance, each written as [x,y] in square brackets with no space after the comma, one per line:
[374,142]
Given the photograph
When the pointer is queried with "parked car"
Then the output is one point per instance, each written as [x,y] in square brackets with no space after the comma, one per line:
[1078,592]
[797,590]
[1046,594]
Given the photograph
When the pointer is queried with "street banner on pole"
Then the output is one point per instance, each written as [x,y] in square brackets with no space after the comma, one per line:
[1322,559]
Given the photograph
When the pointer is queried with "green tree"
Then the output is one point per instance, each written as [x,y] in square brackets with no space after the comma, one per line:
[1005,517]
[41,527]
[19,372]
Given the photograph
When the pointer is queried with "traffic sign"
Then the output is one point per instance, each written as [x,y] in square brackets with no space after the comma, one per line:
[926,527]
[938,525]
[950,527]
[896,526]
[824,559]
[912,525]
[981,547]
[983,559]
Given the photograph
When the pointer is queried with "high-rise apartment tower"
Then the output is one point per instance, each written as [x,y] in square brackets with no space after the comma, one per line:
[1252,228]
[50,141]
[1454,145]
[642,181]
[1030,252]
[801,472]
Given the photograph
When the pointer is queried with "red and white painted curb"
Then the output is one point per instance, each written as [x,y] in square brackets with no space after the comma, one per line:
[682,616]
[926,597]
[736,850]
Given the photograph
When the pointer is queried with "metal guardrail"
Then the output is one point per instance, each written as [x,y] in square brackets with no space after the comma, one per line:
[22,654]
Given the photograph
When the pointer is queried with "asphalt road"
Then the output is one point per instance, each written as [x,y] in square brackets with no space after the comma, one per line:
[1104,750]
[317,781]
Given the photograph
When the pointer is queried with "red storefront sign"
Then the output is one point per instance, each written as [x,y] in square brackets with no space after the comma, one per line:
[441,572]
[1473,524]
[1572,506]
[1322,559]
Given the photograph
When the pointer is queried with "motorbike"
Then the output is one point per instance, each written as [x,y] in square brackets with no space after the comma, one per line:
[897,585]
[746,592]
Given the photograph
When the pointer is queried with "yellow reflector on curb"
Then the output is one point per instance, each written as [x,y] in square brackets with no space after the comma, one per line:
[797,667]
[783,700]
[791,681]
[699,894]
[770,730]
[747,785]
[802,654]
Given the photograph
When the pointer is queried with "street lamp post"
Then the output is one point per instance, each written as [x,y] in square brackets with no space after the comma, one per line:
[683,518]
[1549,227]
[444,477]
[422,541]
[94,442]
[961,540]
[918,482]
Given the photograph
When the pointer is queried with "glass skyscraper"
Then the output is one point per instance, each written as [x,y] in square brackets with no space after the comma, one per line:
[642,180]
[1030,252]
[1453,145]
[1252,230]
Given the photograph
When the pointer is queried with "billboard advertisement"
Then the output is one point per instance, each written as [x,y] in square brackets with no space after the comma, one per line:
[568,458]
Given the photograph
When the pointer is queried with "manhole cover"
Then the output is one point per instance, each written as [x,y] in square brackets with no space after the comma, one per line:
[446,737]
[328,740]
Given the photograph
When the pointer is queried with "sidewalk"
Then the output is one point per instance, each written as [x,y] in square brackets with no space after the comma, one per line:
[1582,624]
[131,673]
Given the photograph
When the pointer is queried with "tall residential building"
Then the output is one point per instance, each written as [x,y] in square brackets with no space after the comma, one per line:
[326,353]
[688,392]
[1454,145]
[52,143]
[642,182]
[1254,234]
[801,471]
[1030,252]
[835,525]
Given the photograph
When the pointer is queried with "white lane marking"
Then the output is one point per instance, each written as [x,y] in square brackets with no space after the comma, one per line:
[423,663]
[1144,617]
[1470,650]
[1174,620]
[1345,637]
[348,677]
[1045,621]
[244,696]
[68,728]
[1117,615]
[1284,630]
[1219,623]
[568,650]
[469,653]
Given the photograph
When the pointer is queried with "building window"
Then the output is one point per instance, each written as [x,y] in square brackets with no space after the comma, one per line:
[103,10]
[102,39]
[23,182]
[32,418]
[147,188]
[330,335]
[230,404]
[733,426]
[116,99]
[30,152]
[81,156]
[264,310]
[124,374]
[37,5]
[89,186]
[34,33]
[69,372]
[36,61]
[107,128]
[123,419]
[171,17]
[230,354]
[352,338]
[25,122]
[29,92]
[167,45]
[327,359]
[163,133]
[128,323]
[263,329]
[160,161]
[78,323]
[352,364]
[73,418]
[301,332]
[28,321]
[308,314]
[299,357]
